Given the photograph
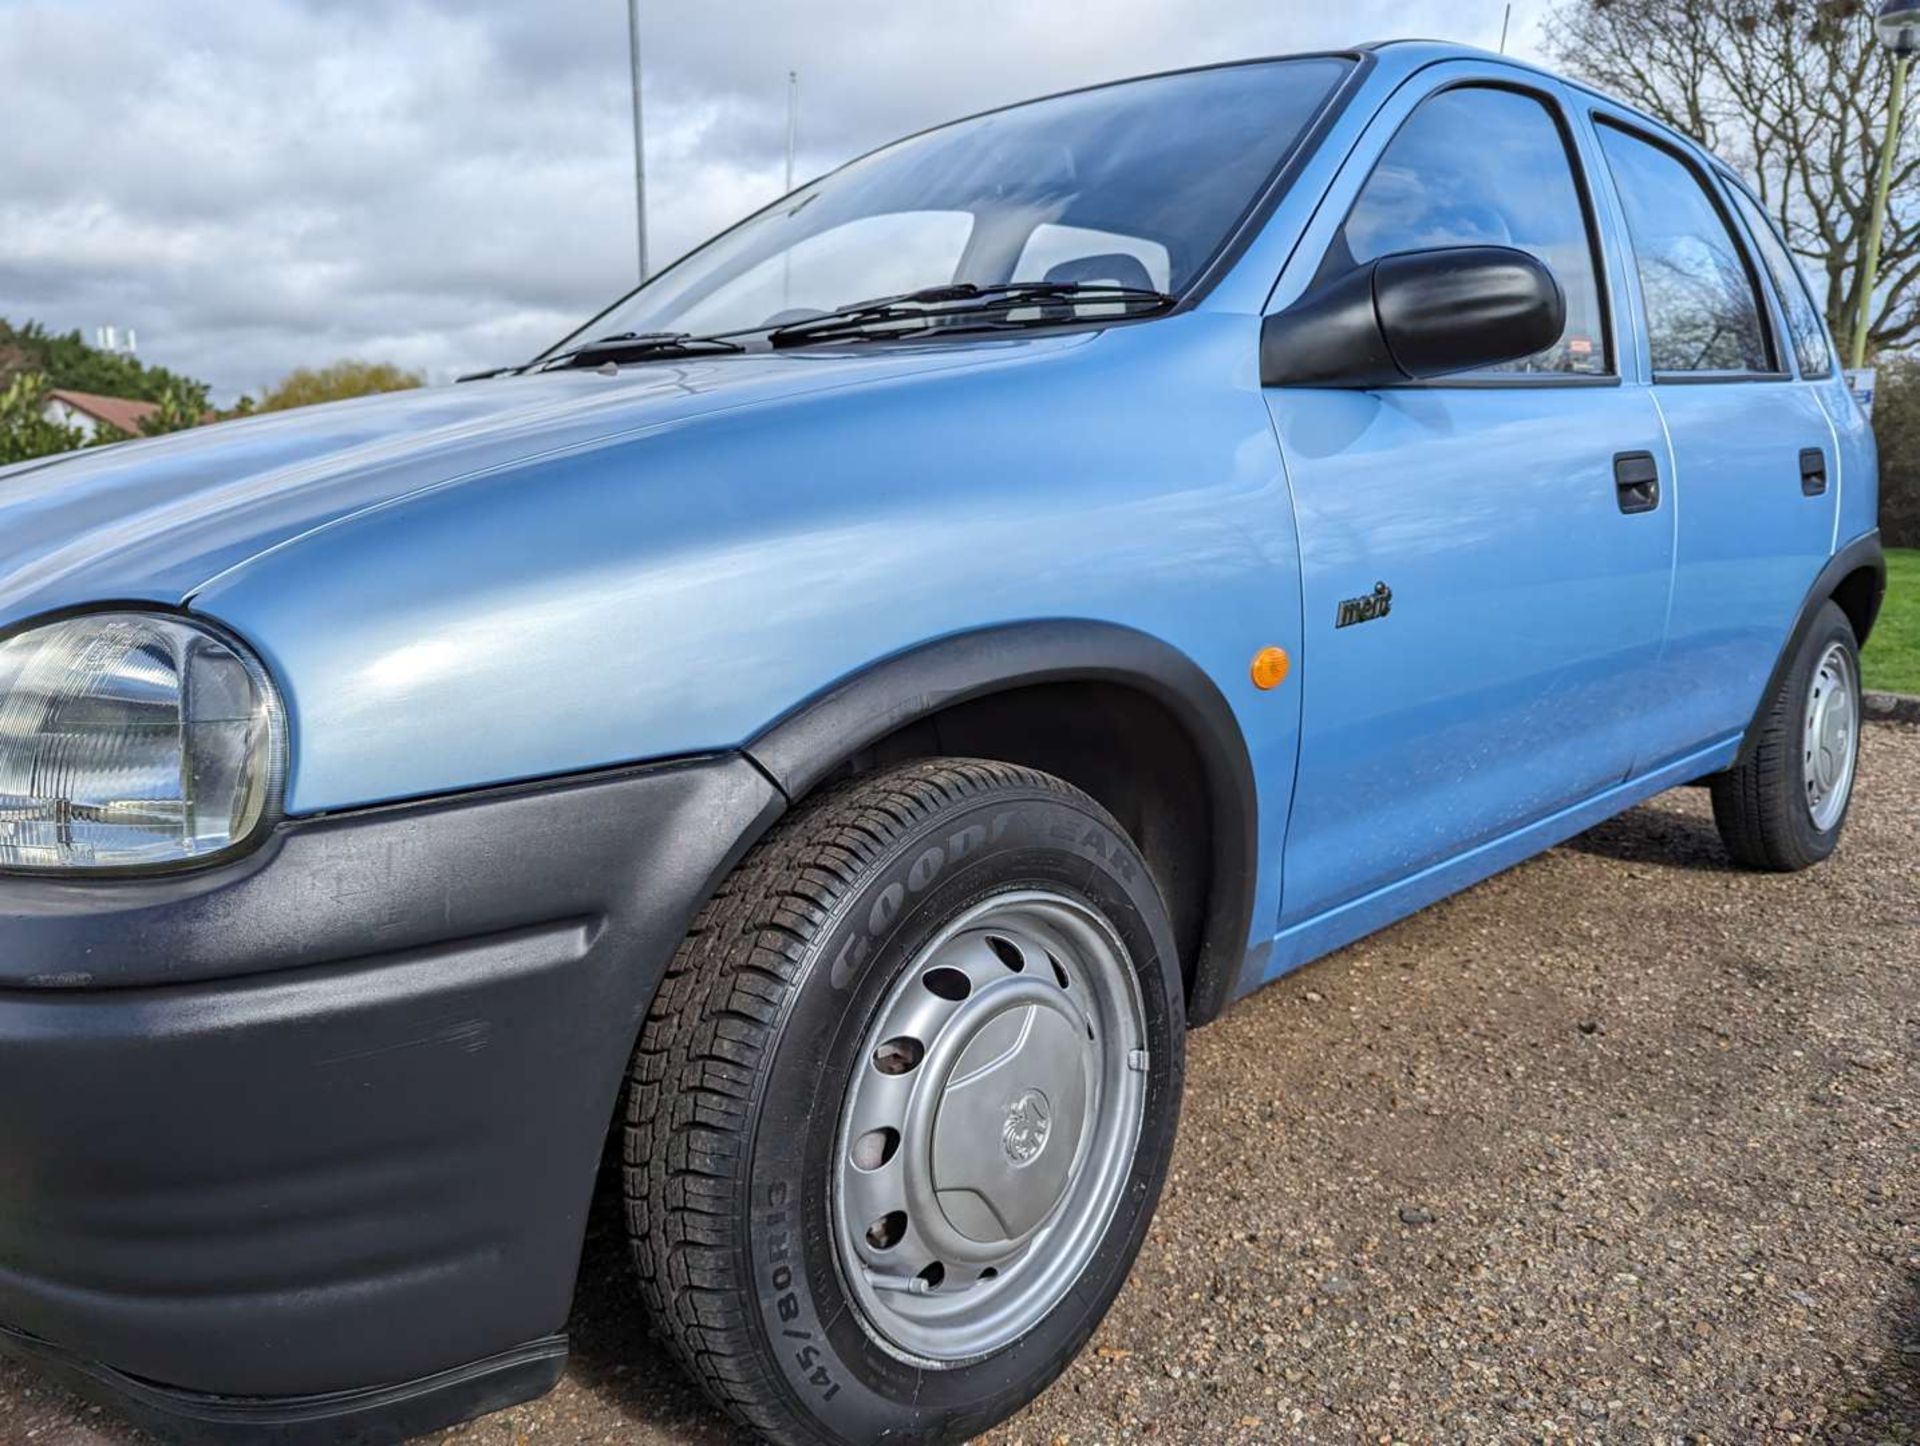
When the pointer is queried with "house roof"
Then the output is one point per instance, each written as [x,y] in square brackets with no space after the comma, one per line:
[121,412]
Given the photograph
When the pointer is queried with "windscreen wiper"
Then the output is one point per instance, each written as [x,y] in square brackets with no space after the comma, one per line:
[637,346]
[965,306]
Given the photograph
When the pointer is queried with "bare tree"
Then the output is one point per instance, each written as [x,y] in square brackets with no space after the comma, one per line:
[1794,93]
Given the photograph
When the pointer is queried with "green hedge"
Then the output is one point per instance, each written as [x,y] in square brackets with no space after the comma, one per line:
[1896,422]
[1892,660]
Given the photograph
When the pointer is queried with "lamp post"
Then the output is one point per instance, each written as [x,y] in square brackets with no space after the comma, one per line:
[1898,26]
[640,136]
[793,130]
[793,122]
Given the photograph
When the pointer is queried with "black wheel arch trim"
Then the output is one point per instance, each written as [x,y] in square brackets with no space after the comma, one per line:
[1863,554]
[807,744]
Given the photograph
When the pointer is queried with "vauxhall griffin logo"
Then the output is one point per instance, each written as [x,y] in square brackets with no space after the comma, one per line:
[1376,604]
[1029,1122]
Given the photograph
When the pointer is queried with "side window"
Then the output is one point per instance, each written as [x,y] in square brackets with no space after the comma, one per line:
[1809,334]
[1484,167]
[1703,311]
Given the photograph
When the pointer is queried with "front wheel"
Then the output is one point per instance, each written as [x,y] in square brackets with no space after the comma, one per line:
[901,1113]
[1783,809]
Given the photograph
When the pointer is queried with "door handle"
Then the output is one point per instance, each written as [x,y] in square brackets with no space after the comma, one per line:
[1636,481]
[1813,472]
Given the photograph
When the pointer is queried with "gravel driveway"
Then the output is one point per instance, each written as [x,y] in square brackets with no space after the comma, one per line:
[1621,1145]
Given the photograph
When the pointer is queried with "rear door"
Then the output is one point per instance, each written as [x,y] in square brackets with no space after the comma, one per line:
[1512,522]
[1755,475]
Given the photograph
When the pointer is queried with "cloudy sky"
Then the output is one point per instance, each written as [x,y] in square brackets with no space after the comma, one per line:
[257,184]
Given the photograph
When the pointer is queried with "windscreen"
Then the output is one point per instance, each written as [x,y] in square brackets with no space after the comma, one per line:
[1138,184]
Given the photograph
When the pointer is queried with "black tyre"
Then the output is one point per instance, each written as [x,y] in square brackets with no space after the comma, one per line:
[1784,808]
[900,1114]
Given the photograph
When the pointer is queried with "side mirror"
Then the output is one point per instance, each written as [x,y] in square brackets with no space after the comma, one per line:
[1413,317]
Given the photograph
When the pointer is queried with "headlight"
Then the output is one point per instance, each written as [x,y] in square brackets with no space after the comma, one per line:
[132,740]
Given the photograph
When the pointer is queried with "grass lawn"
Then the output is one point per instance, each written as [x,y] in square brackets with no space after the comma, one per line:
[1892,659]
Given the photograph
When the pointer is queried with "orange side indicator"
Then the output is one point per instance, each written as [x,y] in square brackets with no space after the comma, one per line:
[1270,668]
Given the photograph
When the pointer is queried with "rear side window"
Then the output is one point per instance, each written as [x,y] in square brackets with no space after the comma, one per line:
[1703,311]
[1479,166]
[1803,318]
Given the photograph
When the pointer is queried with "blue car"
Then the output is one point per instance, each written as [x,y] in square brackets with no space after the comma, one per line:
[819,737]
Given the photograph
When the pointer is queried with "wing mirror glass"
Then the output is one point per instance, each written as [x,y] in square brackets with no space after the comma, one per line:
[1413,317]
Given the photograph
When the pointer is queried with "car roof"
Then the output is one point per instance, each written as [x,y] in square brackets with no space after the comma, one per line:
[1392,62]
[1398,58]
[1408,56]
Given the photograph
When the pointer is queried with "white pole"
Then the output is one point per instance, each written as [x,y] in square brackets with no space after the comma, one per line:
[793,128]
[639,138]
[793,120]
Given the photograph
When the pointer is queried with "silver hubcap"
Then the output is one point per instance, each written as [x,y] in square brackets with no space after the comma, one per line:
[1832,741]
[990,1127]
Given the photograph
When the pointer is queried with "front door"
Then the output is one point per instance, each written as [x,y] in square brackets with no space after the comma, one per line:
[1485,562]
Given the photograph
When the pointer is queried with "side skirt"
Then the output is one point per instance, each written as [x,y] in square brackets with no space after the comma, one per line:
[1337,927]
[378,1416]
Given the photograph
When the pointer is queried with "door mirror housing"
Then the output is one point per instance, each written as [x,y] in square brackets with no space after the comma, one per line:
[1413,317]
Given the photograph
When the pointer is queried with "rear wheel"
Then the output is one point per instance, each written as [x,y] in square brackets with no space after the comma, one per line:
[901,1112]
[1784,808]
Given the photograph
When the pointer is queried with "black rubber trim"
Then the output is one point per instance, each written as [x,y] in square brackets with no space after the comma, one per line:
[1863,552]
[360,885]
[809,743]
[375,1417]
